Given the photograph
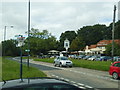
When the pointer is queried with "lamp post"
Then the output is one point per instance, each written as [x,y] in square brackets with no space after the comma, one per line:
[5,37]
[5,31]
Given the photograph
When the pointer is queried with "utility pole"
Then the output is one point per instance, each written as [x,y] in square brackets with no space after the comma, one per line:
[113,29]
[28,33]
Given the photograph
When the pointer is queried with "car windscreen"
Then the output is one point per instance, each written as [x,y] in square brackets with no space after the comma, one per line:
[64,58]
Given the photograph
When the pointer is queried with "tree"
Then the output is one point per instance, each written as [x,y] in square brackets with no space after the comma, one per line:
[40,42]
[116,49]
[77,44]
[70,35]
[93,34]
[9,48]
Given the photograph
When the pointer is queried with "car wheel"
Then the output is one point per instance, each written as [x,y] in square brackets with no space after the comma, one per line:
[115,75]
[55,64]
[70,66]
[60,65]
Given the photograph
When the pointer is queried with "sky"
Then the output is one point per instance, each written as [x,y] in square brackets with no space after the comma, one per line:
[56,16]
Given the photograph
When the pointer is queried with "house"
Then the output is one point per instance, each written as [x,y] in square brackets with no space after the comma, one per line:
[99,48]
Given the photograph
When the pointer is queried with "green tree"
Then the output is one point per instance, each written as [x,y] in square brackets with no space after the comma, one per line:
[9,48]
[77,44]
[70,35]
[116,49]
[40,42]
[93,34]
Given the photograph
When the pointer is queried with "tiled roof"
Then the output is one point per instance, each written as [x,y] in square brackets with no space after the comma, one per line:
[103,43]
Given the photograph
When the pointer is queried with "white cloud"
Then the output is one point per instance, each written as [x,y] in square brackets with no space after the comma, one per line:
[56,17]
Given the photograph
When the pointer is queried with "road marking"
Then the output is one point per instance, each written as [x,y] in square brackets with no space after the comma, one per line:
[79,85]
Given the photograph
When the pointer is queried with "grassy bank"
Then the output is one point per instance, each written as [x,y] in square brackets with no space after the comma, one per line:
[10,70]
[97,65]
[49,60]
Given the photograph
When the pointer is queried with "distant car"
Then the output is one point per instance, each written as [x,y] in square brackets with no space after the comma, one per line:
[86,57]
[62,61]
[38,84]
[116,58]
[92,58]
[81,56]
[103,58]
[115,70]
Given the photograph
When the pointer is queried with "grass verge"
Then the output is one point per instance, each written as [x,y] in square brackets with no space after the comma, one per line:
[97,65]
[11,70]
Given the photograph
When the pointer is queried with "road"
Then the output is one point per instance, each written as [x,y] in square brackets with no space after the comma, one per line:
[81,77]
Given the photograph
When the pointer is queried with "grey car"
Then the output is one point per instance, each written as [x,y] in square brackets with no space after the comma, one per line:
[62,61]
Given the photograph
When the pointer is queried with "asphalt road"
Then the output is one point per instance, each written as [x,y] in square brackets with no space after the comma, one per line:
[81,77]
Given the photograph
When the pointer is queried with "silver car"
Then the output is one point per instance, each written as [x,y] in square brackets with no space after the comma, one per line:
[62,61]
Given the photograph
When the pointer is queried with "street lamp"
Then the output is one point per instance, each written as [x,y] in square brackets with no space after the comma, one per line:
[5,37]
[5,31]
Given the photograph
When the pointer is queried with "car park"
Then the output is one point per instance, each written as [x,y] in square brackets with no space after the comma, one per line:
[115,70]
[62,61]
[44,83]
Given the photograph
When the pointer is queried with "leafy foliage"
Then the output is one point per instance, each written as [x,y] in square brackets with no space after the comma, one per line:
[116,49]
[40,42]
[70,35]
[9,48]
[77,44]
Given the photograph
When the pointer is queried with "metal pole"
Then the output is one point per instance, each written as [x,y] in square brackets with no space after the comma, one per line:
[21,64]
[113,31]
[5,33]
[28,33]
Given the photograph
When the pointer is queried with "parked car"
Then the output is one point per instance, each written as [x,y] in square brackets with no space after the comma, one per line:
[86,57]
[92,58]
[103,58]
[38,84]
[115,70]
[62,61]
[81,56]
[116,58]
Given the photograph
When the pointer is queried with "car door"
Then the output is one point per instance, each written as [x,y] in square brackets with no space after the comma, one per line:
[58,59]
[116,67]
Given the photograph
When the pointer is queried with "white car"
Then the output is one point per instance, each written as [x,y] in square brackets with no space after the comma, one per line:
[62,61]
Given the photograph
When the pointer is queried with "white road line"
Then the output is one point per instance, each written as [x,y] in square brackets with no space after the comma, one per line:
[88,86]
[80,85]
[72,81]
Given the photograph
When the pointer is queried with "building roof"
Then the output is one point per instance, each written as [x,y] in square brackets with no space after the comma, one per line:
[103,43]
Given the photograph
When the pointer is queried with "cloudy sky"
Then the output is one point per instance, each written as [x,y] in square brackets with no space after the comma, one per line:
[56,16]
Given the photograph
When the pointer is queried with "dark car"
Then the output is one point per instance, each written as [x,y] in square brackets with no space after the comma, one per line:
[38,84]
[103,58]
[115,70]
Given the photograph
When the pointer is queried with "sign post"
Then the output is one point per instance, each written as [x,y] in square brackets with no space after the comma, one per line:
[20,40]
